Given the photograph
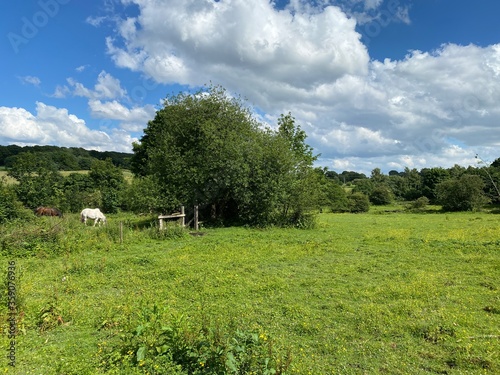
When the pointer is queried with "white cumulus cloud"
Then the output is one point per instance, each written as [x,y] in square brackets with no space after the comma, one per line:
[197,41]
[56,126]
[107,87]
[134,119]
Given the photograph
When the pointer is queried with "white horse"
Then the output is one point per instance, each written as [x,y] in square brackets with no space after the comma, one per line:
[93,213]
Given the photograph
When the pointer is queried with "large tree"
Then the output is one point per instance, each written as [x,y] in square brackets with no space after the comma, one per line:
[207,149]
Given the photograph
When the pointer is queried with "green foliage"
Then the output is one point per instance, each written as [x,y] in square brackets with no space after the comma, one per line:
[381,195]
[349,176]
[110,181]
[64,159]
[31,240]
[157,343]
[364,186]
[377,177]
[419,204]
[49,316]
[143,195]
[358,202]
[412,185]
[10,207]
[104,174]
[39,183]
[49,237]
[463,194]
[431,177]
[295,138]
[206,149]
[79,192]
[170,231]
[196,148]
[336,197]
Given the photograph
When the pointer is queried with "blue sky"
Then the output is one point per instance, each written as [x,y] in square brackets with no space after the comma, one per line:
[375,83]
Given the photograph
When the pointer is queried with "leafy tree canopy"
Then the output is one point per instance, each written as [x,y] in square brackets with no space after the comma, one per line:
[207,149]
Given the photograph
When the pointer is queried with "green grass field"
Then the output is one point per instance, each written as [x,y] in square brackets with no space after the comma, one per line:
[376,293]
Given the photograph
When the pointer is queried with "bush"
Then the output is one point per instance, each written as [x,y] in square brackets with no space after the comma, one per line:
[170,231]
[179,347]
[381,195]
[419,204]
[28,241]
[304,220]
[358,202]
[463,194]
[239,170]
[10,207]
[141,196]
[336,198]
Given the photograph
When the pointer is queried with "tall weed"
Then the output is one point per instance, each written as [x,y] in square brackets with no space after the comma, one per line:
[160,343]
[31,240]
[171,231]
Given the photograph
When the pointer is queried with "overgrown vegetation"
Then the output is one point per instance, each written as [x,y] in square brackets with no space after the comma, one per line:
[388,291]
[10,206]
[161,343]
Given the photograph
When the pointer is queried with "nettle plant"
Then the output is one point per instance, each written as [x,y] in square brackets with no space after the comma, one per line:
[181,347]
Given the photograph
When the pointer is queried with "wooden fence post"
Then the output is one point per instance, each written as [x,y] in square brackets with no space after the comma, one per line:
[196,217]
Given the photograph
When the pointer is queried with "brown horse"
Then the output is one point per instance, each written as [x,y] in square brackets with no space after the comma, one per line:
[47,211]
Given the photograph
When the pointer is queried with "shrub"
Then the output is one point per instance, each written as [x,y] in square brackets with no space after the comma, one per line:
[142,195]
[300,220]
[179,347]
[381,195]
[419,204]
[306,221]
[240,171]
[170,231]
[337,198]
[358,202]
[10,207]
[463,194]
[29,241]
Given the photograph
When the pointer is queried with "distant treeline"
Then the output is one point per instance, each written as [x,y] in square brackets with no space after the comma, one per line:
[64,159]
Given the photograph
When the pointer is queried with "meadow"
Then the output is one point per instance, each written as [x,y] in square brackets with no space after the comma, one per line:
[386,292]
